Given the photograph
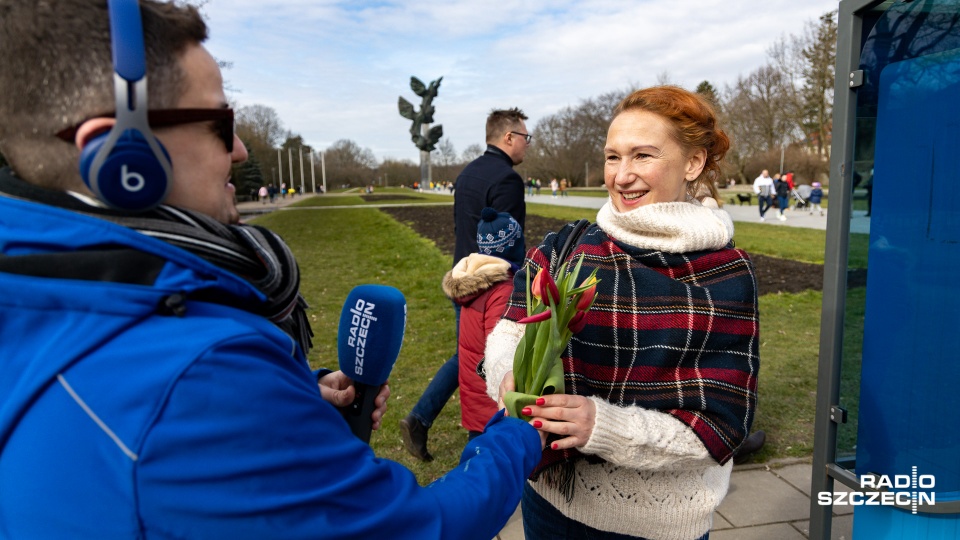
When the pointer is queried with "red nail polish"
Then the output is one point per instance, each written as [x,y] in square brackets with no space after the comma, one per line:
[541,401]
[526,411]
[555,446]
[537,424]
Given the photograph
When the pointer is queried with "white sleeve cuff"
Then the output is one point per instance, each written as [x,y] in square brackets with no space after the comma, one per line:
[498,355]
[643,438]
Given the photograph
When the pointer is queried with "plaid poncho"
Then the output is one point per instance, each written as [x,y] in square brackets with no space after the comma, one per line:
[671,332]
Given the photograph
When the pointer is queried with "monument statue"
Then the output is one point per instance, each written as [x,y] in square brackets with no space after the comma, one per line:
[424,137]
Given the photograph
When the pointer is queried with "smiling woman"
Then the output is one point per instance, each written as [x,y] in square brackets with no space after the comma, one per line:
[662,146]
[661,382]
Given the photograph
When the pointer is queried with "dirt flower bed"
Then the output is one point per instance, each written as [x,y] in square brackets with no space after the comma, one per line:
[773,274]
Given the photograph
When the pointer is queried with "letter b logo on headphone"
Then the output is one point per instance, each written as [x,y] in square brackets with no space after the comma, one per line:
[131,181]
[128,168]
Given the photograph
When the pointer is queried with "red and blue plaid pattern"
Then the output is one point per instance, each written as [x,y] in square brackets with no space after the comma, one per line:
[677,333]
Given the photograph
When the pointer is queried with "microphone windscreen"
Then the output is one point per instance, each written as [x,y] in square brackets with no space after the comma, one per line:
[372,324]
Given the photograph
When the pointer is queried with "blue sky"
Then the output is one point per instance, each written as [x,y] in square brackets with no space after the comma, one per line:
[334,69]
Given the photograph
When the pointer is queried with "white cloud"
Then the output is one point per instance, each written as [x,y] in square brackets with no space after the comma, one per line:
[334,69]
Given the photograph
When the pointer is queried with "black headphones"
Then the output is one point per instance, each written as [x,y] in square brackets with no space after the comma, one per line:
[127,168]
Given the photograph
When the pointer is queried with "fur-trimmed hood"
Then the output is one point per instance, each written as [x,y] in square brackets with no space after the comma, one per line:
[473,275]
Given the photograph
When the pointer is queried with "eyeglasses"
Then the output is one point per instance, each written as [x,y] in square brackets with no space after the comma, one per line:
[526,136]
[222,122]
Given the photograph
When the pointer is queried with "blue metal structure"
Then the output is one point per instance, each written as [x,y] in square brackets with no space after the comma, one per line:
[886,405]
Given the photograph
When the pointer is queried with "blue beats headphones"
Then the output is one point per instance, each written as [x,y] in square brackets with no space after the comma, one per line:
[127,168]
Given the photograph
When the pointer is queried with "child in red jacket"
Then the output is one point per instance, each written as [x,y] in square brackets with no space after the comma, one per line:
[481,283]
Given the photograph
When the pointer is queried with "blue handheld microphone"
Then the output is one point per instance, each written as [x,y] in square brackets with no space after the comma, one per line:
[372,324]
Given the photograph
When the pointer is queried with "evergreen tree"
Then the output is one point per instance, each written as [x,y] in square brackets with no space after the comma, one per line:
[247,178]
[708,91]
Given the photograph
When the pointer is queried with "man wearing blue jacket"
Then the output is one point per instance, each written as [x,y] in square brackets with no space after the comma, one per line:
[153,377]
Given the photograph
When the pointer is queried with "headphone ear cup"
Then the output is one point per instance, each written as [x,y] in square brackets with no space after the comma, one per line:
[131,177]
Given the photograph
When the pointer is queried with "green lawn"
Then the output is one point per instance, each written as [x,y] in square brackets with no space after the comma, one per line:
[403,196]
[340,248]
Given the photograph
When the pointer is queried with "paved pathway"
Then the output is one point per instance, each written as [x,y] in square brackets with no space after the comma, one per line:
[766,501]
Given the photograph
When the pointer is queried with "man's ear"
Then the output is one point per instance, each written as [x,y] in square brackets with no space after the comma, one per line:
[91,128]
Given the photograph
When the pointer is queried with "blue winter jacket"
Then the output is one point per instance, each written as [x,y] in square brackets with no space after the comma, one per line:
[120,418]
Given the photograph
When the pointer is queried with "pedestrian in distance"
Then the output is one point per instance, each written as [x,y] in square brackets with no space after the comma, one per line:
[782,189]
[488,181]
[154,381]
[763,187]
[816,196]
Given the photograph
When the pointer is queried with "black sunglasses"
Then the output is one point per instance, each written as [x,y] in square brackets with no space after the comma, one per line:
[526,136]
[222,121]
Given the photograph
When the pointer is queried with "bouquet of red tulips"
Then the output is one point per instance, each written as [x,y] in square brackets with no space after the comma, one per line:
[555,311]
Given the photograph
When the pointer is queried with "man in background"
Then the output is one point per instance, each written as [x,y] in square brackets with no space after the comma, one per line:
[488,181]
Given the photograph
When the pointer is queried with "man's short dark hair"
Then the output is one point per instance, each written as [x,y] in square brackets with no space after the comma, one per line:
[501,121]
[56,70]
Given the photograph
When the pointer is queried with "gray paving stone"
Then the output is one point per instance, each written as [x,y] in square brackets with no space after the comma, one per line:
[719,523]
[758,496]
[777,531]
[513,530]
[841,527]
[799,476]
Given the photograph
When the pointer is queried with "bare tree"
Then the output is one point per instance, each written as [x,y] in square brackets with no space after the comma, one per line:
[569,144]
[348,163]
[260,129]
[471,153]
[445,154]
[261,123]
[819,54]
[399,172]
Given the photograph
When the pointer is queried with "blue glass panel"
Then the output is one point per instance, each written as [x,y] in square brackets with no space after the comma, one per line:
[908,395]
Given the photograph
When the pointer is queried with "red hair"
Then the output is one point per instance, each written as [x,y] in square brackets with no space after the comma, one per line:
[694,126]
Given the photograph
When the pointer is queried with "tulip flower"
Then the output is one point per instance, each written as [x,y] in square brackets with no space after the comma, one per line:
[549,325]
[578,322]
[534,288]
[587,296]
[545,288]
[542,316]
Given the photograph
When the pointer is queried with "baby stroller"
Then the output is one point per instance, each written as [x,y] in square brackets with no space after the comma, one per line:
[801,194]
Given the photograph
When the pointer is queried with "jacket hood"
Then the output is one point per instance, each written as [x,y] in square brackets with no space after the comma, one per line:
[473,275]
[36,232]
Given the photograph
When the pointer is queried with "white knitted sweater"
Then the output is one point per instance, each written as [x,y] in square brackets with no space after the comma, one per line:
[658,481]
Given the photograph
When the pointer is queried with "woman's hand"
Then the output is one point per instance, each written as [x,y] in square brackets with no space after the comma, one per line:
[571,417]
[508,384]
[338,389]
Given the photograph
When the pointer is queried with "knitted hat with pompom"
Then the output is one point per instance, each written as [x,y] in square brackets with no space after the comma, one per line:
[499,235]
